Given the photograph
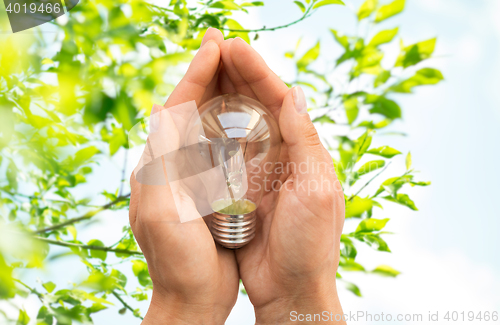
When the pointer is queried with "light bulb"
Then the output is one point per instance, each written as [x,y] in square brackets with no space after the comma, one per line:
[234,144]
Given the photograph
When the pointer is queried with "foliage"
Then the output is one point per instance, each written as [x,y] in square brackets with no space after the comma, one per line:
[66,110]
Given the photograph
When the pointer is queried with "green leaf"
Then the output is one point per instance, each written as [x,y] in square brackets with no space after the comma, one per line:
[353,288]
[47,61]
[384,106]
[385,151]
[118,139]
[348,264]
[415,53]
[300,5]
[140,269]
[368,61]
[393,184]
[140,296]
[370,166]
[225,4]
[420,183]
[97,253]
[253,4]
[121,279]
[11,174]
[96,307]
[84,155]
[358,207]
[341,39]
[127,244]
[408,161]
[425,76]
[389,10]
[7,285]
[367,8]
[72,231]
[323,119]
[310,56]
[381,78]
[308,84]
[233,24]
[348,250]
[402,199]
[374,240]
[362,144]
[371,225]
[351,109]
[44,316]
[383,37]
[210,20]
[386,270]
[124,111]
[49,286]
[23,318]
[327,2]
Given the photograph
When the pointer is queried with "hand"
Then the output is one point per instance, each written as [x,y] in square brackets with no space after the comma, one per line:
[194,281]
[292,262]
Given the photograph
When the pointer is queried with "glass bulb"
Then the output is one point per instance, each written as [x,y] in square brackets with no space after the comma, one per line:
[234,144]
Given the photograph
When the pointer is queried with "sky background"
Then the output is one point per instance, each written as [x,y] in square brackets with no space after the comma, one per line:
[448,250]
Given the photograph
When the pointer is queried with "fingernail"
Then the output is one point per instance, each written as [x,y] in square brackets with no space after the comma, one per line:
[299,100]
[155,109]
[241,39]
[210,40]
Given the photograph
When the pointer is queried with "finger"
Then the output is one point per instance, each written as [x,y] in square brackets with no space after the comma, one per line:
[212,90]
[200,74]
[309,163]
[241,86]
[266,85]
[212,34]
[226,85]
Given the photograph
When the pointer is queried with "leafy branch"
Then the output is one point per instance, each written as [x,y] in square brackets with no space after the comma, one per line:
[368,183]
[32,290]
[91,247]
[125,305]
[84,217]
[306,14]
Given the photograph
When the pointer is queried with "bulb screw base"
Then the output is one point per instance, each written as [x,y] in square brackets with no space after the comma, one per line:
[233,231]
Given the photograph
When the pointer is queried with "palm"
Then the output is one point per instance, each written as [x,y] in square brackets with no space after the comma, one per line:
[182,258]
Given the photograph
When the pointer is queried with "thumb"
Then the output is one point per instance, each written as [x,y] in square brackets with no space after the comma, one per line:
[309,160]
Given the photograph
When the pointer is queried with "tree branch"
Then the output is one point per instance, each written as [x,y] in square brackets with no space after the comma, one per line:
[84,217]
[117,296]
[367,183]
[91,247]
[307,13]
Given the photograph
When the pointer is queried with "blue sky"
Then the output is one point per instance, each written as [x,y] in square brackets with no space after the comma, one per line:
[447,251]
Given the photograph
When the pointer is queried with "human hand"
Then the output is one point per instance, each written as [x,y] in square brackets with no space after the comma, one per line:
[194,281]
[291,263]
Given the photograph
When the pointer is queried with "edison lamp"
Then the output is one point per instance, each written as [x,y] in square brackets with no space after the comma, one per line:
[233,144]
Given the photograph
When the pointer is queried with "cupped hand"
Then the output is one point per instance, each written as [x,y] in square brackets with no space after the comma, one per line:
[291,263]
[194,281]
